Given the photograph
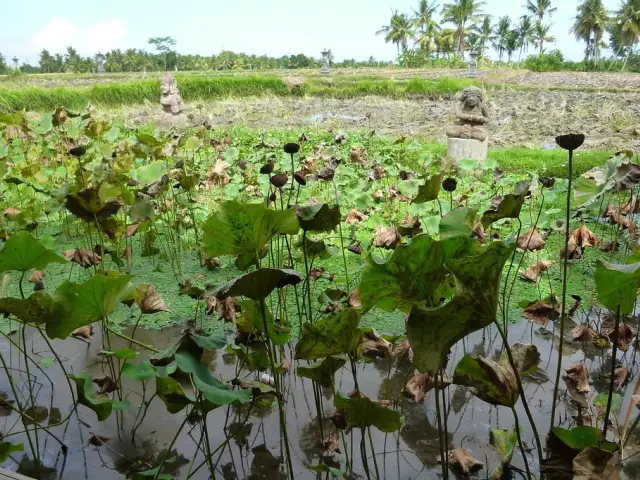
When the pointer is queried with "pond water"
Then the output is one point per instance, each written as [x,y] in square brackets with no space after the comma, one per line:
[255,450]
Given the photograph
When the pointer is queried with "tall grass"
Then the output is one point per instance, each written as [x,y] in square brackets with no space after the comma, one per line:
[194,88]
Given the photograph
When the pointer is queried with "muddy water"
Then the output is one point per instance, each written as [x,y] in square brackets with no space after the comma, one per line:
[255,451]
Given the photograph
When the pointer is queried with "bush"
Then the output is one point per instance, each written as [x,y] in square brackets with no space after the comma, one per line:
[547,62]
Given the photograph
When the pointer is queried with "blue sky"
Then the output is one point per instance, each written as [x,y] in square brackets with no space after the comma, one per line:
[272,27]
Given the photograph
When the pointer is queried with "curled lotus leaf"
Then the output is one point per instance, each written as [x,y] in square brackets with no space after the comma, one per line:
[258,284]
[433,331]
[509,207]
[489,380]
[318,217]
[90,206]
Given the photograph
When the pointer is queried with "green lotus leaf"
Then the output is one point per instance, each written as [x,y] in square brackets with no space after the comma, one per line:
[87,396]
[7,448]
[617,285]
[322,372]
[34,309]
[429,190]
[253,319]
[333,335]
[361,412]
[245,229]
[24,252]
[78,304]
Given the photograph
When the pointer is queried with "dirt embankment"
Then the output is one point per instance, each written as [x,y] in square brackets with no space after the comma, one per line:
[519,118]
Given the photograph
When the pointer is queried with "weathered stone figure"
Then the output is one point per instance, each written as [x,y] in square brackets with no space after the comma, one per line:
[472,114]
[170,98]
[468,137]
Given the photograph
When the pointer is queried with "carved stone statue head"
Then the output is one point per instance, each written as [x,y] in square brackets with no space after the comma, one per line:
[168,84]
[472,97]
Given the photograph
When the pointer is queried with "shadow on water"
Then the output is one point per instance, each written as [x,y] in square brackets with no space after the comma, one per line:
[255,449]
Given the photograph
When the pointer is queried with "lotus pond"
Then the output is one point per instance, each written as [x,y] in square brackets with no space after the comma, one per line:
[238,304]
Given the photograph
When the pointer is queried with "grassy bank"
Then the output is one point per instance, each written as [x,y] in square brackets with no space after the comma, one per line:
[206,88]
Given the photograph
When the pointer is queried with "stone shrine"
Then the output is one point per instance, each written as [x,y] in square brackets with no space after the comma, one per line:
[172,107]
[468,137]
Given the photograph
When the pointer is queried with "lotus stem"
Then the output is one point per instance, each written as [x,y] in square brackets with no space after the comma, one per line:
[614,355]
[564,293]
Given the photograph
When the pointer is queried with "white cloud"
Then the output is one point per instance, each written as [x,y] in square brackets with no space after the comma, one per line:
[55,36]
[59,33]
[105,36]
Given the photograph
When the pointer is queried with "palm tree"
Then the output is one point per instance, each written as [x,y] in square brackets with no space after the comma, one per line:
[445,41]
[540,8]
[427,27]
[459,13]
[399,31]
[501,34]
[525,34]
[541,36]
[47,63]
[484,33]
[589,26]
[511,43]
[628,17]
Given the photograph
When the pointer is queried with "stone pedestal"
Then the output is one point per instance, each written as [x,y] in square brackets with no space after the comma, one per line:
[463,148]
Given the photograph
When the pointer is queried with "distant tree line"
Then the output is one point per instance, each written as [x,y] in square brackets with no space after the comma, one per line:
[166,58]
[431,32]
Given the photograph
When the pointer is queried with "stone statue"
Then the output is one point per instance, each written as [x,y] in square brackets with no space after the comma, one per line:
[170,98]
[472,115]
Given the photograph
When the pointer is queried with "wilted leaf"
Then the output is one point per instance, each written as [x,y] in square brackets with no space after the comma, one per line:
[594,464]
[462,461]
[492,382]
[354,217]
[332,443]
[37,276]
[387,237]
[541,312]
[374,346]
[258,284]
[90,206]
[622,337]
[85,332]
[106,385]
[504,441]
[148,299]
[530,241]
[318,217]
[36,414]
[526,358]
[583,333]
[532,274]
[84,258]
[420,384]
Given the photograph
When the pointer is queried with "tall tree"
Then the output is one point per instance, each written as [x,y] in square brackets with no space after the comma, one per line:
[589,26]
[460,13]
[540,8]
[525,31]
[47,62]
[3,65]
[484,33]
[511,43]
[446,42]
[501,31]
[628,19]
[399,30]
[163,45]
[541,36]
[426,25]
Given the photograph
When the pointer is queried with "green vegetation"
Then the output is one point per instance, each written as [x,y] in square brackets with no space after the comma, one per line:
[303,262]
